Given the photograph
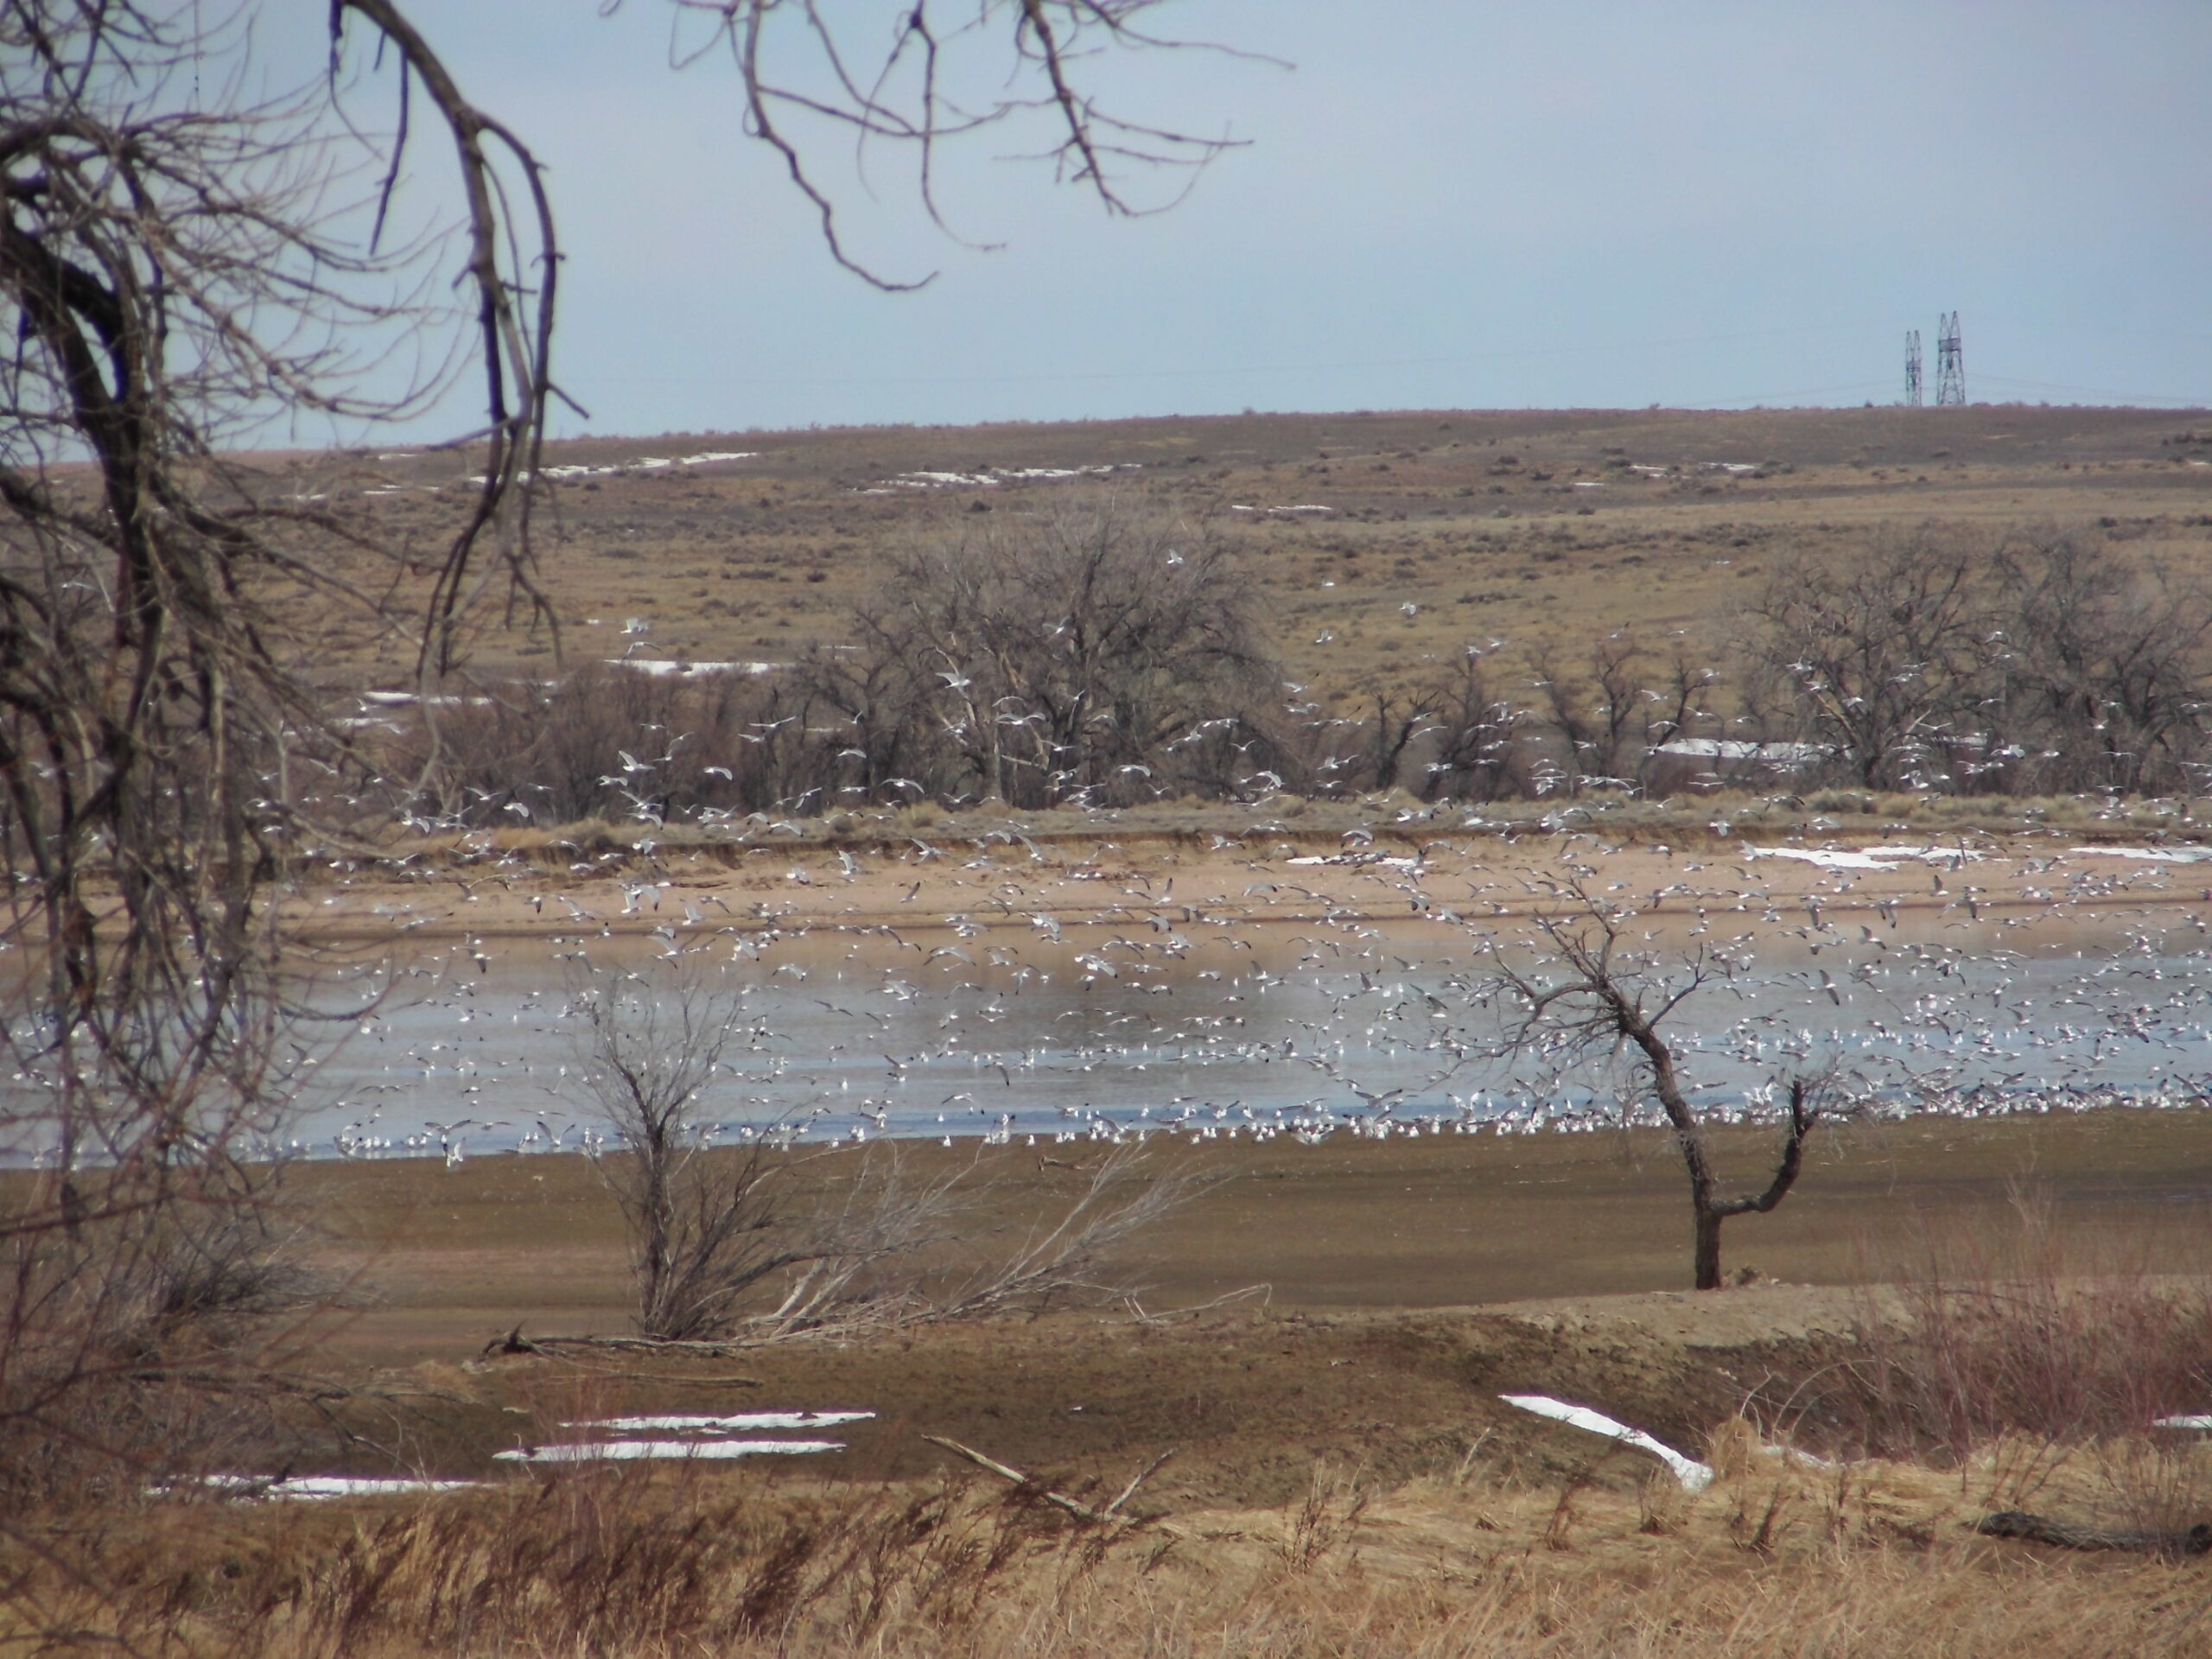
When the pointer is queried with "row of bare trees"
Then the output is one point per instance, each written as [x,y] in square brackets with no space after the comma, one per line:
[1104,652]
[2049,664]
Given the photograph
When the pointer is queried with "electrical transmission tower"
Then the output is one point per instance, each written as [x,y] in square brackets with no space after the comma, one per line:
[1950,363]
[1912,368]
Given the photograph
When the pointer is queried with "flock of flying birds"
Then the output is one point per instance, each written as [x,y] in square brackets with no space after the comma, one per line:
[1041,1014]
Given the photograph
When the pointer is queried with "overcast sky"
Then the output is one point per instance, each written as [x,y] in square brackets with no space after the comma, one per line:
[1443,203]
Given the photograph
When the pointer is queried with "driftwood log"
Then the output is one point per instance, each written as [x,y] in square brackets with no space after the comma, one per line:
[2018,1523]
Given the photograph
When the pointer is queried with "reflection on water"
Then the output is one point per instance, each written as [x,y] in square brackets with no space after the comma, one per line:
[1013,1032]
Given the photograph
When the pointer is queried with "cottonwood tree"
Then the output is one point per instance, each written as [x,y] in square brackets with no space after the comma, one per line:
[1065,652]
[1884,652]
[1589,996]
[190,263]
[2103,670]
[2041,661]
[1479,752]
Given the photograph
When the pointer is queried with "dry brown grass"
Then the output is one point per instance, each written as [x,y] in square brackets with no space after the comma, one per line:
[1869,1558]
[1473,517]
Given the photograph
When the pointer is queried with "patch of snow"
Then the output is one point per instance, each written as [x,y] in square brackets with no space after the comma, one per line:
[661,667]
[320,1488]
[409,699]
[1717,748]
[638,1451]
[743,1422]
[643,464]
[1867,858]
[2151,855]
[1694,1476]
[992,477]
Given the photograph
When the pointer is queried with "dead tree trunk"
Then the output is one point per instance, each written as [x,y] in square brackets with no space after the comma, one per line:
[1707,1210]
[1599,1005]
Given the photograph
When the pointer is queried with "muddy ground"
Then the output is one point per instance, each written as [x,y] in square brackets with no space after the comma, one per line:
[1360,1303]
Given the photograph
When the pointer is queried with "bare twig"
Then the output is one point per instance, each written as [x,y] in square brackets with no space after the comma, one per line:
[1074,1506]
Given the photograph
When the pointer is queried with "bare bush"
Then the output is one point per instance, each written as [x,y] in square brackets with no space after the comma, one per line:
[765,1241]
[2033,1332]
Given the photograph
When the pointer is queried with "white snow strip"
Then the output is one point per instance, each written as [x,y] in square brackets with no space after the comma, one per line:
[664,666]
[1694,1476]
[637,1450]
[991,477]
[408,700]
[318,1488]
[743,1423]
[1828,858]
[643,464]
[1791,1455]
[1866,858]
[1722,748]
[2151,854]
[2195,1422]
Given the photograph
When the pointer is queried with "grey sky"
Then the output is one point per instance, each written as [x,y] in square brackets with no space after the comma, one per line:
[1443,204]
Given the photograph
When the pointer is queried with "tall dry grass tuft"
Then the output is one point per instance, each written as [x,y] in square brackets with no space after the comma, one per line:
[2036,1331]
[628,1560]
[1774,1560]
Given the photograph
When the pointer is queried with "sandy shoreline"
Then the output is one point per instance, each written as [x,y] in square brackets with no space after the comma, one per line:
[1441,882]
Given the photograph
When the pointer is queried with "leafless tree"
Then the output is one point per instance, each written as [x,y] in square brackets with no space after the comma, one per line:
[1593,998]
[1884,652]
[1403,718]
[1479,752]
[1065,653]
[2103,671]
[1597,716]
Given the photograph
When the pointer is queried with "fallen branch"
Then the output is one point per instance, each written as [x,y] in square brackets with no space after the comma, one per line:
[1145,1316]
[558,1347]
[1108,1517]
[2018,1523]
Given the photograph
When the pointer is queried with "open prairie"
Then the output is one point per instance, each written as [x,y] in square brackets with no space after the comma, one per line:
[1524,526]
